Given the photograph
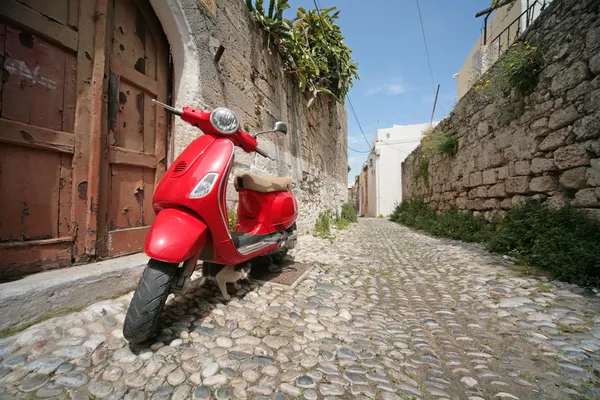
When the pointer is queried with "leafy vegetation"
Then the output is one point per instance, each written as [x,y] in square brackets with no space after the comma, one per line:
[434,141]
[323,224]
[341,221]
[428,139]
[452,224]
[565,242]
[233,219]
[446,144]
[311,46]
[423,169]
[514,76]
[519,68]
[348,213]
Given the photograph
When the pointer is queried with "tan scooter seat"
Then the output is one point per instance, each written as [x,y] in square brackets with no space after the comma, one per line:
[263,184]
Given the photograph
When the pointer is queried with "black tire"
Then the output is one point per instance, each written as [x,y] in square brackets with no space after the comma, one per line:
[148,301]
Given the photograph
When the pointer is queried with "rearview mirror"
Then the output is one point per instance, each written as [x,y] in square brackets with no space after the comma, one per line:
[280,127]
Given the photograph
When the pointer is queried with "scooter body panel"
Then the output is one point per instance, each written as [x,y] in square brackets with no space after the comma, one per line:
[262,213]
[165,241]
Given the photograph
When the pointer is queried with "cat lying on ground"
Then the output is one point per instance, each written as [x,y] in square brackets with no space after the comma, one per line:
[224,274]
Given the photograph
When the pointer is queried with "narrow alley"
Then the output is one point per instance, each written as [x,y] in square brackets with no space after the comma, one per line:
[384,312]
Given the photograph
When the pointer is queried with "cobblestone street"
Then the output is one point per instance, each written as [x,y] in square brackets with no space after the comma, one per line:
[384,313]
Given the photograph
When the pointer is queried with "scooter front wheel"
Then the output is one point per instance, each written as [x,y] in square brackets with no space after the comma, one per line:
[148,301]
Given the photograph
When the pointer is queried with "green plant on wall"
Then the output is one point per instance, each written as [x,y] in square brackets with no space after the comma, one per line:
[514,76]
[423,169]
[428,139]
[311,46]
[518,68]
[436,141]
[446,144]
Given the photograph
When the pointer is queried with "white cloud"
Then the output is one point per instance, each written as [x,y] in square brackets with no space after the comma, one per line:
[397,88]
[354,139]
[391,89]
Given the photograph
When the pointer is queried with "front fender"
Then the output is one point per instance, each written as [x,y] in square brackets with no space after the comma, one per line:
[175,236]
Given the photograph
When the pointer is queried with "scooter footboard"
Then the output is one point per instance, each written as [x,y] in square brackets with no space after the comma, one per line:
[175,236]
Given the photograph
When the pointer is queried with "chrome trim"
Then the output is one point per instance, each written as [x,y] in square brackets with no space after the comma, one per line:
[224,181]
[237,121]
[258,246]
[291,240]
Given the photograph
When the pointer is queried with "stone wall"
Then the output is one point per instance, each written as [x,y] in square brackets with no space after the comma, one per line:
[249,78]
[546,146]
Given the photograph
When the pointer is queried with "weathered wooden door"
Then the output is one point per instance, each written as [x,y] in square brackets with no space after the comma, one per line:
[136,130]
[37,113]
[81,145]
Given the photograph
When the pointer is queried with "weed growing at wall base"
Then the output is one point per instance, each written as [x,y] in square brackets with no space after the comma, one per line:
[327,219]
[232,218]
[348,213]
[565,242]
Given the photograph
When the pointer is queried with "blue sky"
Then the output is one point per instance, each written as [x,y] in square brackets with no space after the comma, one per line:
[386,40]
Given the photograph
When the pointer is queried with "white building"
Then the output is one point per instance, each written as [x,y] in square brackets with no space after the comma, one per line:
[504,26]
[383,169]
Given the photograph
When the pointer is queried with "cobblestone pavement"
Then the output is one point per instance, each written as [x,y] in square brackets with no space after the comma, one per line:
[385,313]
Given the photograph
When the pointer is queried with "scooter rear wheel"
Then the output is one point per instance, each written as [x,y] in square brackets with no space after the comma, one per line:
[148,301]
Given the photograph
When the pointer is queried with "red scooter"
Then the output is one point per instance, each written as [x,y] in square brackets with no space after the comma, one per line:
[191,217]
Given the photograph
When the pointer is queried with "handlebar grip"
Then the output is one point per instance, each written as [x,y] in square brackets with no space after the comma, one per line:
[261,152]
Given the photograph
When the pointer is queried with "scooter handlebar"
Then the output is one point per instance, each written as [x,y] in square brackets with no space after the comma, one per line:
[168,108]
[261,152]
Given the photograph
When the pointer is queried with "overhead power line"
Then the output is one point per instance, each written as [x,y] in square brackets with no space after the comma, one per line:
[358,151]
[358,121]
[426,48]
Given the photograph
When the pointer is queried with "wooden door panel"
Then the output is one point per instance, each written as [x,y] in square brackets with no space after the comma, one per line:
[69,93]
[129,35]
[34,86]
[58,10]
[30,182]
[2,41]
[23,258]
[130,120]
[125,209]
[146,195]
[136,131]
[65,200]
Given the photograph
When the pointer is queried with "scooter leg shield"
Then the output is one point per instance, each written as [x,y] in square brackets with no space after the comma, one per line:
[175,236]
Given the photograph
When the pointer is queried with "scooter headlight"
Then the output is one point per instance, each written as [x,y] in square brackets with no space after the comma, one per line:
[224,120]
[205,185]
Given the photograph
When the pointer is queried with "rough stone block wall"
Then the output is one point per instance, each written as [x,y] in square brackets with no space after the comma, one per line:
[549,151]
[249,78]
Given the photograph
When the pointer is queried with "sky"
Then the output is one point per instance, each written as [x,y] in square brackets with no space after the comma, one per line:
[395,86]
